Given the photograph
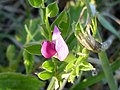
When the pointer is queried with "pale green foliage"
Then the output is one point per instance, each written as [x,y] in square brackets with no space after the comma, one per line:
[35,3]
[52,10]
[28,61]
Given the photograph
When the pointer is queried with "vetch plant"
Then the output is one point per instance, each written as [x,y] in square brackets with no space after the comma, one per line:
[64,58]
[57,48]
[60,47]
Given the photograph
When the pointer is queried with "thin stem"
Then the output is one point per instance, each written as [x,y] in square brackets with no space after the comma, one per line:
[64,82]
[106,68]
[46,20]
[77,82]
[48,27]
[43,5]
[79,77]
[12,39]
[52,84]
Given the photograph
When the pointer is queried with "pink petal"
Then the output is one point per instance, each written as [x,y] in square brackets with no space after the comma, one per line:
[61,48]
[60,45]
[56,33]
[48,49]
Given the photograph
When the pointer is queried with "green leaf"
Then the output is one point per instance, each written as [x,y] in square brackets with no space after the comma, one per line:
[28,61]
[85,66]
[80,59]
[44,31]
[52,9]
[72,76]
[14,81]
[48,66]
[63,22]
[61,18]
[77,70]
[33,48]
[74,12]
[69,66]
[44,75]
[11,54]
[29,35]
[79,28]
[69,58]
[35,3]
[107,25]
[72,42]
[64,27]
[35,29]
[94,26]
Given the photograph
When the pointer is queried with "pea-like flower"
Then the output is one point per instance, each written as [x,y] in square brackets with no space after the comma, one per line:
[57,48]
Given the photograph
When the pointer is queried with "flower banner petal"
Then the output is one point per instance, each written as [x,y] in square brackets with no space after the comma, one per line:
[56,33]
[61,48]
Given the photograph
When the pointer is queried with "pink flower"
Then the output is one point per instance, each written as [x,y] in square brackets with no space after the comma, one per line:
[57,48]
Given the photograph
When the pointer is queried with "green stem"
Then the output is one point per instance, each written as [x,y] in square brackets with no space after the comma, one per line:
[45,19]
[79,78]
[107,70]
[52,84]
[106,67]
[64,82]
[77,82]
[43,5]
[48,27]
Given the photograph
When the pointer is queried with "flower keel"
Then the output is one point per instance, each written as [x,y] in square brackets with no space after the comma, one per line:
[48,49]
